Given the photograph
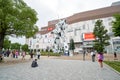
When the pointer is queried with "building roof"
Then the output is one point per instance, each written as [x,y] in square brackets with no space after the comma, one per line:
[83,16]
[116,3]
[94,14]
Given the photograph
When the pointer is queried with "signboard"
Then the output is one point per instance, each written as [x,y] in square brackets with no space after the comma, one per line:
[50,29]
[88,36]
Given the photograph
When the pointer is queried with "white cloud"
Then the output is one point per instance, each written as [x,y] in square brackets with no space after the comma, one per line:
[68,8]
[50,4]
[52,9]
[20,40]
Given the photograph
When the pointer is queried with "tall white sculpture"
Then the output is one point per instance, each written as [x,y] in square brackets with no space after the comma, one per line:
[60,42]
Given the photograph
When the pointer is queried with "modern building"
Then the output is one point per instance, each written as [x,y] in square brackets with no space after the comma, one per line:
[80,28]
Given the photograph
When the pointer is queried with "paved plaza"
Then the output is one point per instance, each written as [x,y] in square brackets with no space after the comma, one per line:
[58,69]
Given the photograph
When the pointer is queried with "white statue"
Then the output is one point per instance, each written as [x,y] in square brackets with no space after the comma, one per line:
[59,35]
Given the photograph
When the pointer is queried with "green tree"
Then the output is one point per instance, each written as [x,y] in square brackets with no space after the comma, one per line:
[16,19]
[101,36]
[25,47]
[7,43]
[72,46]
[15,46]
[116,25]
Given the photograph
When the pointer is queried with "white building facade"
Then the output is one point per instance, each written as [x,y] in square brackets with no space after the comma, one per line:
[77,30]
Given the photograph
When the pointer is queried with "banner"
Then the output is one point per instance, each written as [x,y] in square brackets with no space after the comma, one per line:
[88,36]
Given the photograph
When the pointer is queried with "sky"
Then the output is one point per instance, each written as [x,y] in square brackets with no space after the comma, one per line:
[48,10]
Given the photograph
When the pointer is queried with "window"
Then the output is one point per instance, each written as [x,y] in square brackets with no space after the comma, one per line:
[45,36]
[88,26]
[75,32]
[110,29]
[93,21]
[110,23]
[70,30]
[84,26]
[37,46]
[109,19]
[77,28]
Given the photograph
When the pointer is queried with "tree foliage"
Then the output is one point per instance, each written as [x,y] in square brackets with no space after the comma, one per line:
[15,46]
[116,25]
[16,19]
[101,36]
[72,46]
[25,47]
[7,43]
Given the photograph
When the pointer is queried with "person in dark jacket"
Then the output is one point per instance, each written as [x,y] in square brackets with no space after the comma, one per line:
[34,63]
[115,56]
[84,52]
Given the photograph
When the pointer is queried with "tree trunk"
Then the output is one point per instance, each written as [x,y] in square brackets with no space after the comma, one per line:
[1,40]
[1,45]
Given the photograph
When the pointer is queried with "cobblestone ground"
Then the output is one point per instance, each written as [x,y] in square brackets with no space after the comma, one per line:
[57,69]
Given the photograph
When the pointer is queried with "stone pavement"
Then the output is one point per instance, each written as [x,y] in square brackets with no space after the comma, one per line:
[57,69]
[10,60]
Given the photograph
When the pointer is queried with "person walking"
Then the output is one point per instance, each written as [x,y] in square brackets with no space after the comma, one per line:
[115,56]
[8,53]
[31,54]
[16,53]
[23,55]
[84,52]
[13,53]
[93,56]
[38,54]
[100,59]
